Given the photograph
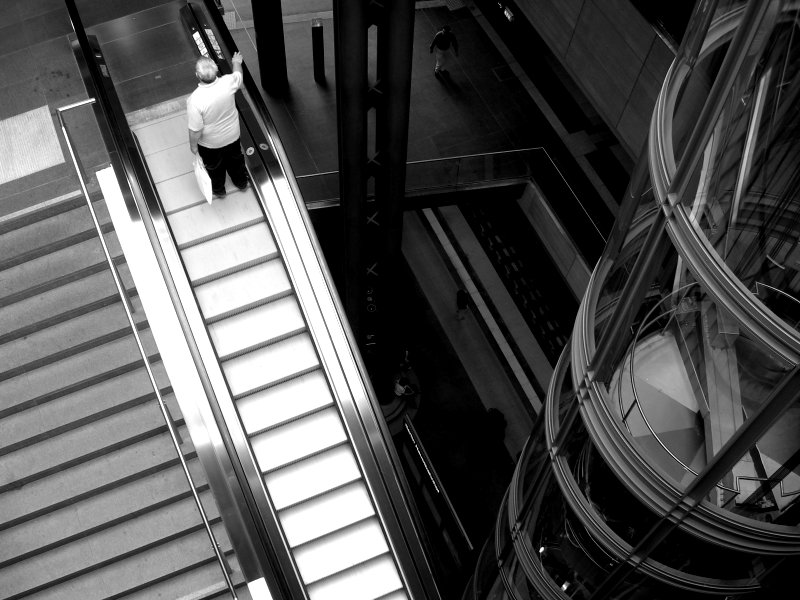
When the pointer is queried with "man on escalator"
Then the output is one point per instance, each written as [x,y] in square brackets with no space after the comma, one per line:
[214,124]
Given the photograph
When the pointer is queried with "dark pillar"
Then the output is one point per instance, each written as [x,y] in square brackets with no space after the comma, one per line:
[395,48]
[268,24]
[318,50]
[373,228]
[350,26]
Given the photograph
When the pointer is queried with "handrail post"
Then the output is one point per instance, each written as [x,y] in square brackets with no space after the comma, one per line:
[123,294]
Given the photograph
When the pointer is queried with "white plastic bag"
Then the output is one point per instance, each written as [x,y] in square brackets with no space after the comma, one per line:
[203,178]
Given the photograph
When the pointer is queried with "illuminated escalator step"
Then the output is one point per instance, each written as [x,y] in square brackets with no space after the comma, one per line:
[324,514]
[298,439]
[172,161]
[204,221]
[229,252]
[283,402]
[340,551]
[161,134]
[368,581]
[397,595]
[259,325]
[243,289]
[179,192]
[266,366]
[312,476]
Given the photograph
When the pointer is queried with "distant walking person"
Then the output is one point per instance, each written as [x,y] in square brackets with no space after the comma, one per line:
[442,42]
[214,124]
[462,302]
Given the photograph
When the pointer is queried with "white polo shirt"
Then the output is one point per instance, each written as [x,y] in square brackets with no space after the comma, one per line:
[211,110]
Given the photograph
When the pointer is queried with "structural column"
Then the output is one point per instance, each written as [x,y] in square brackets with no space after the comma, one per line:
[268,24]
[373,226]
[350,25]
[392,98]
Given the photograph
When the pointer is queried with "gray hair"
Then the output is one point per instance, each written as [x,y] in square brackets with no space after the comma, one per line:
[206,69]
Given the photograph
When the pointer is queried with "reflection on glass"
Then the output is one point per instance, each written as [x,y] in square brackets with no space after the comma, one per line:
[689,380]
[744,194]
[613,284]
[767,478]
[486,584]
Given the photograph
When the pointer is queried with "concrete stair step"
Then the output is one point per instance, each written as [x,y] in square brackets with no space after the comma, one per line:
[79,408]
[74,373]
[95,290]
[67,337]
[85,480]
[134,567]
[44,211]
[60,452]
[205,583]
[114,506]
[104,546]
[39,235]
[54,269]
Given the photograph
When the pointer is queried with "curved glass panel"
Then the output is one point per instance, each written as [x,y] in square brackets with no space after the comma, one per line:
[743,194]
[766,479]
[486,584]
[689,380]
[614,282]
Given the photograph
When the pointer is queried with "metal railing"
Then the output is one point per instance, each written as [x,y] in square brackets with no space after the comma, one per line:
[429,476]
[450,172]
[128,306]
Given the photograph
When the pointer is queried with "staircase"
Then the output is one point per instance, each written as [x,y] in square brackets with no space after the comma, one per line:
[93,500]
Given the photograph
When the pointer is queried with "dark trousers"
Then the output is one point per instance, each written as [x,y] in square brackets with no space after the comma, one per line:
[219,160]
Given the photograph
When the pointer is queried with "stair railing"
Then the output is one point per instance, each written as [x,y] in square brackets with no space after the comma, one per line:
[128,306]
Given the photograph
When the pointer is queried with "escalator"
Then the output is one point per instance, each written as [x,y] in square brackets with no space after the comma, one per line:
[307,465]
